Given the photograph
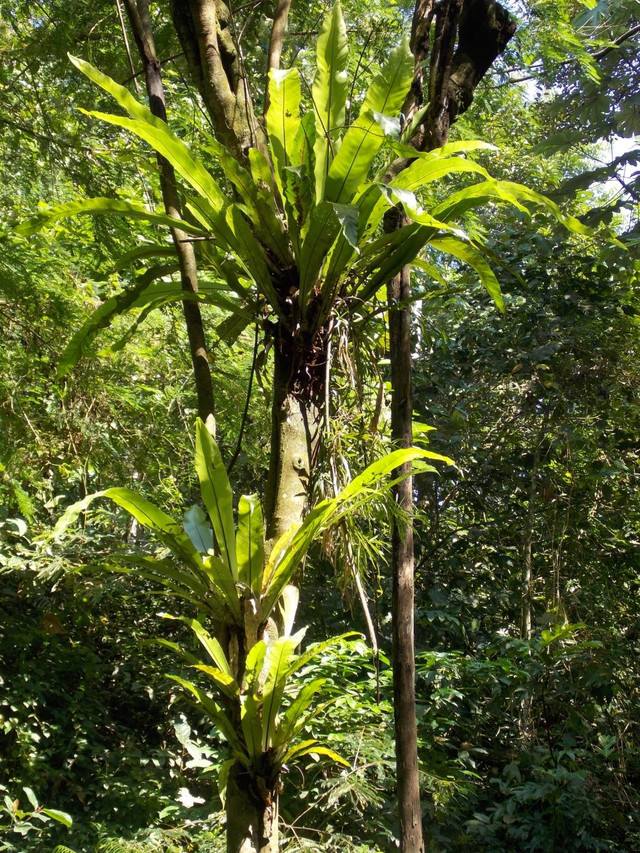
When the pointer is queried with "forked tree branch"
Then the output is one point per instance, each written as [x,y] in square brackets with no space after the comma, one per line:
[204,28]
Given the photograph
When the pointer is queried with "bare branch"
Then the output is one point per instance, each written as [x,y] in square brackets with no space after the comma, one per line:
[600,54]
[126,46]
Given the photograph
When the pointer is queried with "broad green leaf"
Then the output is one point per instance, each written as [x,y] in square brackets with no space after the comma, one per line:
[141,253]
[470,198]
[188,581]
[342,254]
[317,649]
[286,559]
[101,207]
[324,750]
[121,343]
[381,468]
[299,749]
[210,644]
[260,206]
[414,209]
[261,174]
[223,779]
[283,117]
[298,195]
[389,254]
[288,606]
[225,683]
[294,716]
[198,529]
[252,729]
[251,682]
[168,531]
[250,253]
[278,551]
[184,579]
[510,193]
[216,494]
[221,579]
[424,171]
[329,93]
[304,145]
[348,217]
[230,329]
[158,135]
[324,227]
[215,223]
[61,817]
[278,662]
[460,146]
[430,269]
[250,543]
[31,797]
[121,94]
[470,255]
[175,647]
[517,192]
[363,139]
[162,140]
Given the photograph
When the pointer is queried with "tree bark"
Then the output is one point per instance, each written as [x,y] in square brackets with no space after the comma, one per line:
[298,385]
[252,813]
[468,36]
[275,44]
[205,31]
[404,698]
[138,14]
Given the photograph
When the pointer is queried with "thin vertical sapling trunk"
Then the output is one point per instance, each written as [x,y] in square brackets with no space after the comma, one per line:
[138,14]
[462,39]
[404,698]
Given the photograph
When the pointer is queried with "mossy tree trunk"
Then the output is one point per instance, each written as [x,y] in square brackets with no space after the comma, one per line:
[252,812]
[298,391]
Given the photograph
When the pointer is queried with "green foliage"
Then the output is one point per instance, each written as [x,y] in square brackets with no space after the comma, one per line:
[208,576]
[318,230]
[84,722]
[16,823]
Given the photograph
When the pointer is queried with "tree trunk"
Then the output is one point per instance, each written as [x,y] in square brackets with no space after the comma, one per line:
[404,698]
[205,30]
[468,36]
[252,813]
[298,386]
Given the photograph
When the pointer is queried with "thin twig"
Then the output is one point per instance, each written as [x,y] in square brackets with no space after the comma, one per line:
[355,76]
[246,404]
[137,74]
[344,532]
[127,48]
